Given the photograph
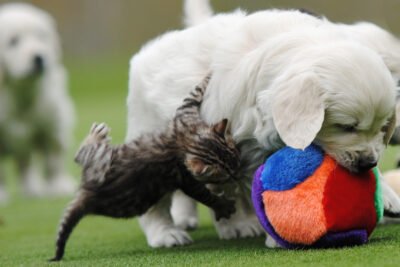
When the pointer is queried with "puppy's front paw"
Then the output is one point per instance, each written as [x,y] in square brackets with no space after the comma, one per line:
[240,225]
[271,243]
[224,209]
[169,237]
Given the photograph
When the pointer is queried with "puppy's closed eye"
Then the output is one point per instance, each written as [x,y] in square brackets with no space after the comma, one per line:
[348,128]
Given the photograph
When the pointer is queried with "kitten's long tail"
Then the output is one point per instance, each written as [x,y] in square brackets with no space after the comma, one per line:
[72,215]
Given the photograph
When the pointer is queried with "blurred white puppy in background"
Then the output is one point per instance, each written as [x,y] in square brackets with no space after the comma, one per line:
[36,112]
[280,77]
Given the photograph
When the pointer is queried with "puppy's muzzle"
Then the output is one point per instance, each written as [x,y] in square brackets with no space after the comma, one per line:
[365,164]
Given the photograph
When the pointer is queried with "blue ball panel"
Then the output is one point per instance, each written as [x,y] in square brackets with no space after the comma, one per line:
[288,167]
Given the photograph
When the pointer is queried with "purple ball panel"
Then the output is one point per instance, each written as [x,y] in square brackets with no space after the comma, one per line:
[256,195]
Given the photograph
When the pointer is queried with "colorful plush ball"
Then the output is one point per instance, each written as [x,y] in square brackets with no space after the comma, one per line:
[303,198]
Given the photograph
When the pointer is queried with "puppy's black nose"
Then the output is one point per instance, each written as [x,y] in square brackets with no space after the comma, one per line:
[38,63]
[366,164]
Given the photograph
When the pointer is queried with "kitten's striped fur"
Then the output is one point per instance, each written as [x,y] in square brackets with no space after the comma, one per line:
[126,180]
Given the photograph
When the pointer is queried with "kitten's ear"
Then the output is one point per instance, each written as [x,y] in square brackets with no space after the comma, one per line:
[196,166]
[220,127]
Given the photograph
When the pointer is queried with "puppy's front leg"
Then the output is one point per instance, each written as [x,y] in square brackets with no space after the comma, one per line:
[391,201]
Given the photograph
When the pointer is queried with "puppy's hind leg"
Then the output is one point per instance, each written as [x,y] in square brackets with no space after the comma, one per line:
[3,192]
[59,181]
[31,182]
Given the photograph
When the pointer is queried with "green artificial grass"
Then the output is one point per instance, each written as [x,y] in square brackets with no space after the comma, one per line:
[27,239]
[29,225]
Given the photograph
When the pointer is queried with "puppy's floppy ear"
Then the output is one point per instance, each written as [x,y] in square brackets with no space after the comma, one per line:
[298,109]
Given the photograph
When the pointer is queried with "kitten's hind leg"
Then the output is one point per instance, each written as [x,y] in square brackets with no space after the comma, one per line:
[95,154]
[98,135]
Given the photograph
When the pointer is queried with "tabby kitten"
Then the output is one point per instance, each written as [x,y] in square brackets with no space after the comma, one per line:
[126,180]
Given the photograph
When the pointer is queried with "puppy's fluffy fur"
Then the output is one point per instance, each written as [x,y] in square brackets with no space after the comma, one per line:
[281,79]
[368,34]
[36,113]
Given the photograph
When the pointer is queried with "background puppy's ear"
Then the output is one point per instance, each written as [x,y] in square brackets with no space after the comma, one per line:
[298,109]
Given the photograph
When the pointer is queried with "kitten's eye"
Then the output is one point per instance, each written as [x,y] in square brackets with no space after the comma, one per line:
[348,128]
[230,144]
[13,41]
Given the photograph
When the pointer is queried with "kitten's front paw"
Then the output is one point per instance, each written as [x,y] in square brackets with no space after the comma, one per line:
[98,134]
[224,209]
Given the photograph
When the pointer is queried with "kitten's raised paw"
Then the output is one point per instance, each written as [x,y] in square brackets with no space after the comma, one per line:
[224,209]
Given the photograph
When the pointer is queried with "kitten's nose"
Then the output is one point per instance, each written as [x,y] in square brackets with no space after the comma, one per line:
[366,164]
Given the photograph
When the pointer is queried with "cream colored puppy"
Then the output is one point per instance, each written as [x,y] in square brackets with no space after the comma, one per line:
[36,113]
[279,84]
[368,34]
